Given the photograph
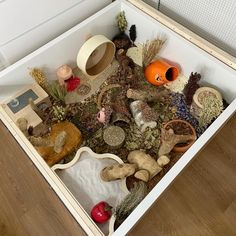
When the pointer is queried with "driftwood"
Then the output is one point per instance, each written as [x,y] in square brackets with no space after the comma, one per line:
[103,91]
[170,139]
[118,171]
[146,95]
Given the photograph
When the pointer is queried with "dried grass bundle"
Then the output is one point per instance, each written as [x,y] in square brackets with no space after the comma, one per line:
[212,107]
[57,91]
[150,50]
[130,202]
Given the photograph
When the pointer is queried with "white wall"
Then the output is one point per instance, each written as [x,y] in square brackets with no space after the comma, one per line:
[28,24]
[213,20]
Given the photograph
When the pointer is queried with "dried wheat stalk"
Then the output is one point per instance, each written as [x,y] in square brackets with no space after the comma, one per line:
[150,50]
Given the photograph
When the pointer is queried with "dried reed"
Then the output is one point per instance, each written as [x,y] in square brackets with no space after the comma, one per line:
[150,50]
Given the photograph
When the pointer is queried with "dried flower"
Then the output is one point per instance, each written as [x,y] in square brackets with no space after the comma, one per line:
[150,50]
[130,202]
[132,33]
[122,22]
[191,87]
[212,107]
[59,113]
[38,75]
[183,112]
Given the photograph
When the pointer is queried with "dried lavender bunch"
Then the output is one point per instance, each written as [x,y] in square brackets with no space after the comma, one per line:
[132,33]
[183,112]
[191,87]
[130,202]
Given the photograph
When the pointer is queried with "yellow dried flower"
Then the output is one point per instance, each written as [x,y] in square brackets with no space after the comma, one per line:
[38,76]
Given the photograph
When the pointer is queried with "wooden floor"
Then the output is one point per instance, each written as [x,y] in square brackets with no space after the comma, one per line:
[202,201]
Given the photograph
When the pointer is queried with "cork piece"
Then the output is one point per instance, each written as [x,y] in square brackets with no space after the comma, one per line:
[114,136]
[72,141]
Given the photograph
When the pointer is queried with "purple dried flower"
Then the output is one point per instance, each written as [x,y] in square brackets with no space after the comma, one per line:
[183,112]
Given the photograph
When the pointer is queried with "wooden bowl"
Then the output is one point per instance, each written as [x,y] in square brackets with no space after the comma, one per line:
[176,125]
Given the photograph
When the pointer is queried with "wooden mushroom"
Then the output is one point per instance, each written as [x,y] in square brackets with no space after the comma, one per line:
[163,160]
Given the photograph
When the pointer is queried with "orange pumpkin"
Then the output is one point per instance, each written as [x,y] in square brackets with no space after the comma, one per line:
[161,72]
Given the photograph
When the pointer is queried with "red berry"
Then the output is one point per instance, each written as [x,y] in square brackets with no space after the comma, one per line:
[101,212]
[72,84]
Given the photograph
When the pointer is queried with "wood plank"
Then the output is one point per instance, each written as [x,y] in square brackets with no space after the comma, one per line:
[202,200]
[28,206]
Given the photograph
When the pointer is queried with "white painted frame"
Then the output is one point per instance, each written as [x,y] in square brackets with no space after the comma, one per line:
[71,203]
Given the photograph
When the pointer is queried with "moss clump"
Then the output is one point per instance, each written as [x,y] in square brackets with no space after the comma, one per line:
[135,139]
